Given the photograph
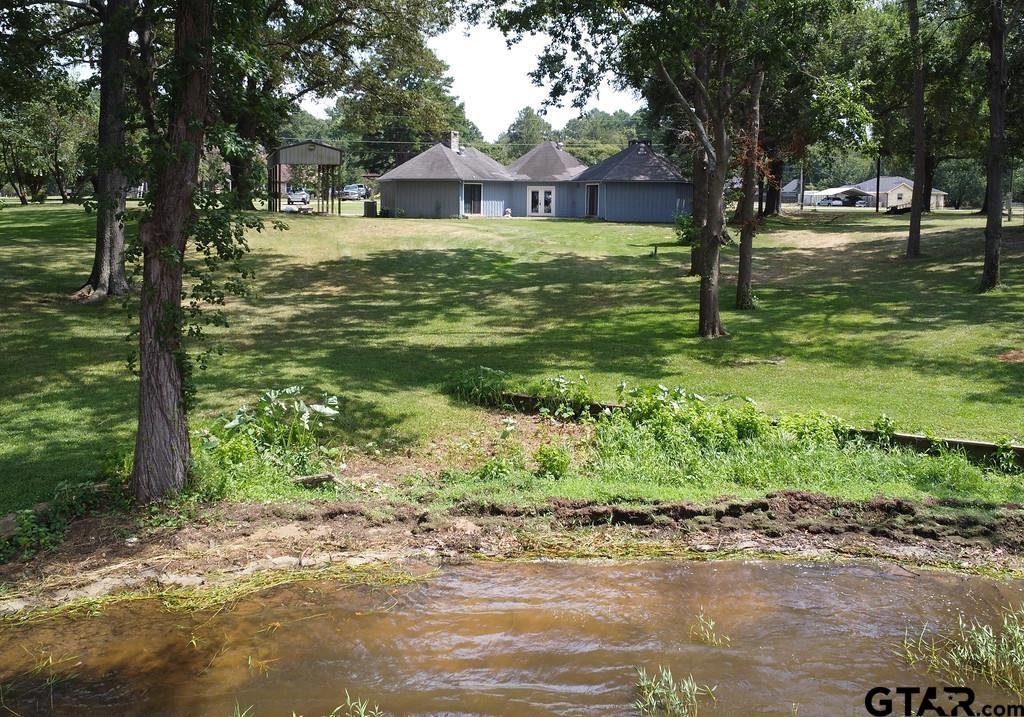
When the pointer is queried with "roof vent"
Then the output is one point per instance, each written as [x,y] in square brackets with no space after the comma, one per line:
[644,142]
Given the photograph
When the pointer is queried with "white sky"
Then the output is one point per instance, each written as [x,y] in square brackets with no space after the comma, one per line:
[493,80]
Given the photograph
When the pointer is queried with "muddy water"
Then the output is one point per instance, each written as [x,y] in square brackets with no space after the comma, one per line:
[508,639]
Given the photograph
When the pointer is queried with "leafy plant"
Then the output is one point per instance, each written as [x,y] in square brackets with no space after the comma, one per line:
[553,461]
[564,397]
[664,696]
[282,428]
[885,427]
[37,530]
[1005,457]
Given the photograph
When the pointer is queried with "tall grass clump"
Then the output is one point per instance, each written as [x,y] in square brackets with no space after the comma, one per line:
[974,650]
[662,695]
[479,385]
[684,445]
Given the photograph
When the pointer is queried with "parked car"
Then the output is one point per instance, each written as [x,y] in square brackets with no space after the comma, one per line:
[861,203]
[355,191]
[298,196]
[826,202]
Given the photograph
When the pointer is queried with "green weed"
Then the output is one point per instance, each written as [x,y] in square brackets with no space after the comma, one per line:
[662,695]
[974,650]
[706,631]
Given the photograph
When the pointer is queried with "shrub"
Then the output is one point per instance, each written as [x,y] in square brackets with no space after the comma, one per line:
[750,422]
[282,428]
[686,230]
[553,461]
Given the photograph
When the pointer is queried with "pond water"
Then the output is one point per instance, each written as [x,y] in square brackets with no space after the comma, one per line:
[550,638]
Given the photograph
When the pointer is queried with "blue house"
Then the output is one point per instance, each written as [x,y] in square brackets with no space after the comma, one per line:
[447,180]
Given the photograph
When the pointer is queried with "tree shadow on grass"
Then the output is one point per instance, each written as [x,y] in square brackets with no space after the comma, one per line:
[401,319]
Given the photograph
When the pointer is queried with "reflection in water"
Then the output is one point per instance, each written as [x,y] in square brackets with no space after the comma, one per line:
[506,639]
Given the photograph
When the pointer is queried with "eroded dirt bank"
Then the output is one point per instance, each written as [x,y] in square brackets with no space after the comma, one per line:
[229,542]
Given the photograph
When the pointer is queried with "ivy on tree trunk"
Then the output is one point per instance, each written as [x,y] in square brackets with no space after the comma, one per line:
[162,450]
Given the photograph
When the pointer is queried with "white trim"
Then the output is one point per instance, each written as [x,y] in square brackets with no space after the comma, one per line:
[463,207]
[586,199]
[541,188]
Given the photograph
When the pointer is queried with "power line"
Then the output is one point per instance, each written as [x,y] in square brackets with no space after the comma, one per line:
[328,140]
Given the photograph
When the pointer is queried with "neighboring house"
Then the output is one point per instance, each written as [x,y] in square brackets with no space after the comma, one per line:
[790,192]
[636,185]
[448,180]
[545,185]
[894,191]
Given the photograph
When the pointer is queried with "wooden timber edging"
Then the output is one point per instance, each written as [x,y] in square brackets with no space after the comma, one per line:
[976,450]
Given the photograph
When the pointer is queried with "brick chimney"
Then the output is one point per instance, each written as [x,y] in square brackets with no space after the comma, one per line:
[451,140]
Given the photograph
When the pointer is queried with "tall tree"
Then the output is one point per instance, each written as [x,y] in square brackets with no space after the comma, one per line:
[398,104]
[326,47]
[997,88]
[678,45]
[919,199]
[748,222]
[162,451]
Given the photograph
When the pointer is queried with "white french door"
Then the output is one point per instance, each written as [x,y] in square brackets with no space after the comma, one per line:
[540,201]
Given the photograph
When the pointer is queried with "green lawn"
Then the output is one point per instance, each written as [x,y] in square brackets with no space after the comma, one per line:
[380,311]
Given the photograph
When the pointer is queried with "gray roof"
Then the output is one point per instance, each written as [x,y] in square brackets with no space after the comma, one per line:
[887,184]
[546,162]
[637,163]
[440,162]
[791,186]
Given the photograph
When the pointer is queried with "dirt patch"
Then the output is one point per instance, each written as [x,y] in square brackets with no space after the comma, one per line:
[1014,356]
[227,541]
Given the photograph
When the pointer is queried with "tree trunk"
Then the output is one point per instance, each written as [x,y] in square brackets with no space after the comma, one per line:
[997,82]
[241,182]
[710,319]
[920,158]
[700,207]
[931,164]
[748,227]
[162,450]
[107,277]
[773,202]
[700,176]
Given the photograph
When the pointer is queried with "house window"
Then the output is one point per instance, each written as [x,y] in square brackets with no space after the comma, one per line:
[899,196]
[592,194]
[540,201]
[472,198]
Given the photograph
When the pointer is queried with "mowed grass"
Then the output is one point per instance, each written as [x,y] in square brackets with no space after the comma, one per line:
[381,311]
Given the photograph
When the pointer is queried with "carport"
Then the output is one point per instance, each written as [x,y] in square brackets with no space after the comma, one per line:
[324,157]
[842,193]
